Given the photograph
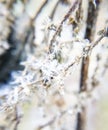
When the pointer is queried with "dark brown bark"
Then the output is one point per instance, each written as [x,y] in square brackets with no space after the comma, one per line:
[91,21]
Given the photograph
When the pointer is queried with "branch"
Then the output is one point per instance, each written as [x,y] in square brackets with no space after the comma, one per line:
[17,118]
[51,121]
[58,31]
[88,49]
[40,9]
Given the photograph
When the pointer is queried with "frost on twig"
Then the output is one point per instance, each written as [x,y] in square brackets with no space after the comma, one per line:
[45,72]
[59,29]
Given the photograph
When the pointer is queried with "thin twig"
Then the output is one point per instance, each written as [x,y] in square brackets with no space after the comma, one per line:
[40,9]
[96,42]
[54,10]
[62,113]
[90,48]
[58,31]
[17,118]
[48,123]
